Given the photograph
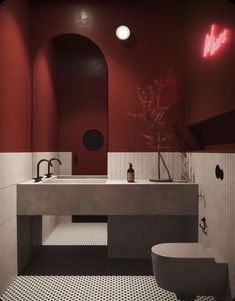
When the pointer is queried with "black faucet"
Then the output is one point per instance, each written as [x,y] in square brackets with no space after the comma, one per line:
[49,173]
[38,178]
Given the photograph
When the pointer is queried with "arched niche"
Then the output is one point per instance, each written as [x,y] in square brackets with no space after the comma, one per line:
[70,97]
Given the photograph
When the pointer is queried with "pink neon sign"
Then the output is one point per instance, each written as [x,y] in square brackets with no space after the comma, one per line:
[214,41]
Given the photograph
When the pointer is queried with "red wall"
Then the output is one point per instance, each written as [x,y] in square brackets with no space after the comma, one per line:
[45,100]
[15,77]
[211,80]
[159,30]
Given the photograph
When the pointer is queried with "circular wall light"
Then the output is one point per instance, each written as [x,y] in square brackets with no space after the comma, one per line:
[123,32]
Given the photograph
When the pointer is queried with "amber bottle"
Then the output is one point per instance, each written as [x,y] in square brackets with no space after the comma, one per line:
[130,174]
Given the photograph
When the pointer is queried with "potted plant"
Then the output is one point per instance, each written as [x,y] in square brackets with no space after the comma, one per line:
[155,101]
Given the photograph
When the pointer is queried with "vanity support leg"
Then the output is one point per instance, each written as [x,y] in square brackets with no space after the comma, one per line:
[29,238]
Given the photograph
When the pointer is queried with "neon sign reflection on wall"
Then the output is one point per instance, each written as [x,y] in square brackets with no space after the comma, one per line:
[214,40]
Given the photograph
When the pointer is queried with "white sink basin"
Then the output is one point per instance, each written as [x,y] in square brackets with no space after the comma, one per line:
[74,180]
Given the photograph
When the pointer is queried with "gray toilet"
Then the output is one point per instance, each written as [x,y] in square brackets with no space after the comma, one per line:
[189,269]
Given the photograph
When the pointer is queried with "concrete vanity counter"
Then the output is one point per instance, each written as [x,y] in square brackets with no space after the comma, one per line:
[108,197]
[140,214]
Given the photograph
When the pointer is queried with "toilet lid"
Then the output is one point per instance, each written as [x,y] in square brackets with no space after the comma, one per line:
[187,251]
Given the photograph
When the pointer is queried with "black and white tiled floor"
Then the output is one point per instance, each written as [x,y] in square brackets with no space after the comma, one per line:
[87,288]
[84,272]
[78,234]
[83,261]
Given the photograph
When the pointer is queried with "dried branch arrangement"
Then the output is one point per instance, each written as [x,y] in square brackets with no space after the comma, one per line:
[155,101]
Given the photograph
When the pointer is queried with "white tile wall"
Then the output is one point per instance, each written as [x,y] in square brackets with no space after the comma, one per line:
[9,206]
[66,160]
[217,203]
[14,168]
[1,207]
[9,237]
[1,241]
[1,170]
[2,283]
[144,164]
[10,268]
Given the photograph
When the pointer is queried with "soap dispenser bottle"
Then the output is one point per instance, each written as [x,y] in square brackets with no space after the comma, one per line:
[130,174]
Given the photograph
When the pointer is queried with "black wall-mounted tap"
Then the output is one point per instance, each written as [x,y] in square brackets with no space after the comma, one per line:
[49,173]
[204,226]
[38,178]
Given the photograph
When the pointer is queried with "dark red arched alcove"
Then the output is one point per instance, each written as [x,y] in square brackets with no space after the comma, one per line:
[70,98]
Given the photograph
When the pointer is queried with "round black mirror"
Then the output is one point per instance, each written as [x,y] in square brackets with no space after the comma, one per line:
[93,140]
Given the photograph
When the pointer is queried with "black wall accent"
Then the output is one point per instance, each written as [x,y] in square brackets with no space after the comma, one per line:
[219,173]
[93,140]
[89,218]
[216,130]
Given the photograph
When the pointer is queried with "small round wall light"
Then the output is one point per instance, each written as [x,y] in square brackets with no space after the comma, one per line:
[123,32]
